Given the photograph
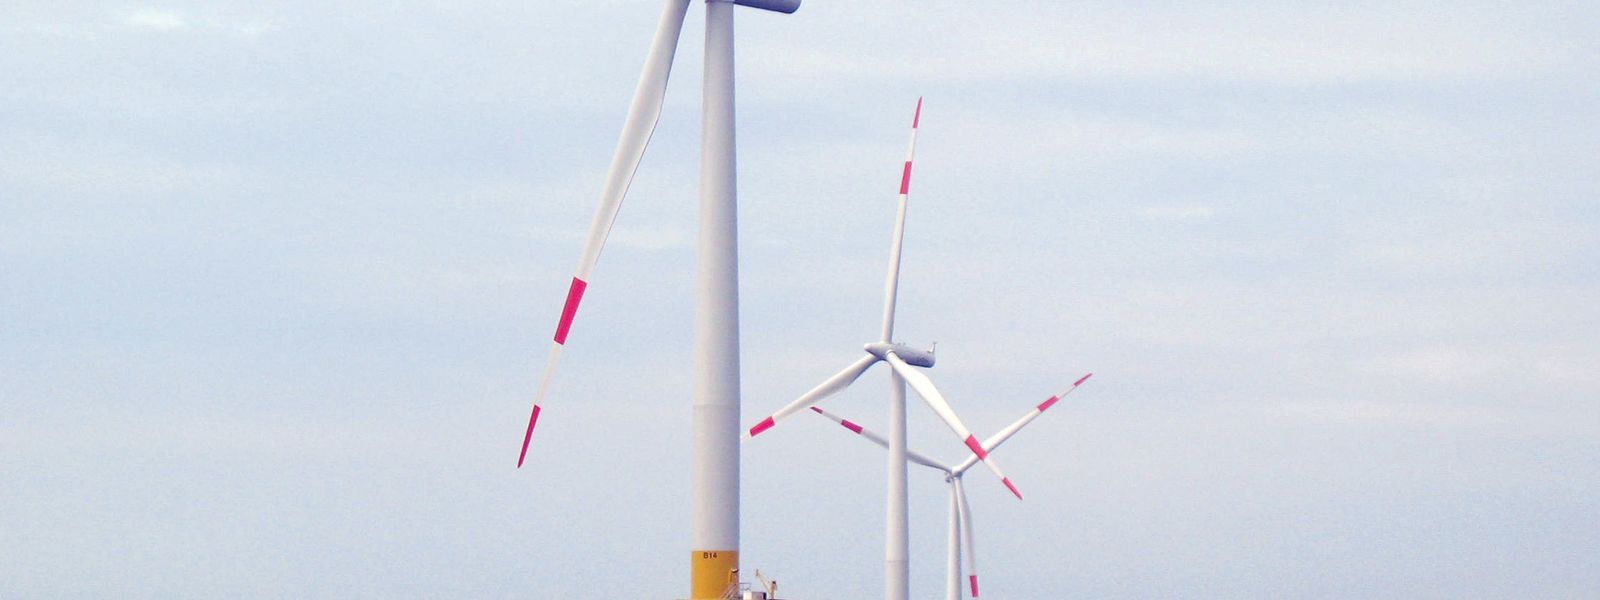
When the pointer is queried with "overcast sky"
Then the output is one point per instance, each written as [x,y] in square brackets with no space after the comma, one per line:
[276,280]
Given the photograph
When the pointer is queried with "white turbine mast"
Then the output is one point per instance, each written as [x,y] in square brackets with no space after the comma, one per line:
[960,534]
[714,547]
[901,359]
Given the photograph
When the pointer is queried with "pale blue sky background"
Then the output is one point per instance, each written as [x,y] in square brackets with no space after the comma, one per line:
[275,282]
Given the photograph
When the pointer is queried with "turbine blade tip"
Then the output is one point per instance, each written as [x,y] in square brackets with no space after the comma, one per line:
[974,580]
[1013,488]
[527,436]
[1082,379]
[816,410]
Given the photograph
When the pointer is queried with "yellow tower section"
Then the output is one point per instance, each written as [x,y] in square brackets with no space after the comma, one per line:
[711,572]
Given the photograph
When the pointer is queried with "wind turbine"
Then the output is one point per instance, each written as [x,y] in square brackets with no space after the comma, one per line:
[900,358]
[960,539]
[714,547]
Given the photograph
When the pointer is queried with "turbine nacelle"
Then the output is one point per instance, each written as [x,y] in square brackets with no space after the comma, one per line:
[783,6]
[912,356]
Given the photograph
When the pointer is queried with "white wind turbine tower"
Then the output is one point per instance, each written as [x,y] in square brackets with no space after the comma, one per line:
[901,358]
[714,548]
[960,538]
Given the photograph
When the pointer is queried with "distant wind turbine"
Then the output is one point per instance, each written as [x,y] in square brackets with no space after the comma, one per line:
[960,538]
[901,359]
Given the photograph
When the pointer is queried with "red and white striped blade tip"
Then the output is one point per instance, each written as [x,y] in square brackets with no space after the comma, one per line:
[1043,406]
[526,437]
[974,580]
[569,311]
[905,174]
[1007,481]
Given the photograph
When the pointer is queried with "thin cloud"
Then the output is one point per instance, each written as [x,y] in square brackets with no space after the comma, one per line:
[155,20]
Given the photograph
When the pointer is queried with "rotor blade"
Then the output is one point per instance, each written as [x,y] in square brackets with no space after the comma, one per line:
[911,455]
[966,535]
[891,286]
[995,440]
[931,395]
[833,385]
[636,130]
